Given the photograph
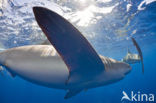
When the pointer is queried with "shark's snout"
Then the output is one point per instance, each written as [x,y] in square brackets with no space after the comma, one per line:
[124,67]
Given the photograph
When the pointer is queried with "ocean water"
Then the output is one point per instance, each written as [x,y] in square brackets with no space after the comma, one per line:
[108,26]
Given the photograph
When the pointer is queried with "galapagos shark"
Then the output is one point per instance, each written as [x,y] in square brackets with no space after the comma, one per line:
[132,58]
[69,63]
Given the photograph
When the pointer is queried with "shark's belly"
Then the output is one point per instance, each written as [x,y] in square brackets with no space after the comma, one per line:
[33,64]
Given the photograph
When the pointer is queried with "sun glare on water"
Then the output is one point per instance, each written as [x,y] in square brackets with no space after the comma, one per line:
[88,13]
[84,1]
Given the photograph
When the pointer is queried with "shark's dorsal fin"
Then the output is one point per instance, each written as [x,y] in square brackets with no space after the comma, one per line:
[81,59]
[140,52]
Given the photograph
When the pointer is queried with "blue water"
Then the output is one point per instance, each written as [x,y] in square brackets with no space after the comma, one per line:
[17,90]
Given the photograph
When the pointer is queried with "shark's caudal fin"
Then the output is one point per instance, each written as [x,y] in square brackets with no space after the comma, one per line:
[140,52]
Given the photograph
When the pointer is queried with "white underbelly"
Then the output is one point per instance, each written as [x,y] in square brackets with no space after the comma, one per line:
[34,66]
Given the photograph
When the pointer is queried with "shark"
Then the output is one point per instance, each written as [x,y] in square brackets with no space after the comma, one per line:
[70,63]
[132,58]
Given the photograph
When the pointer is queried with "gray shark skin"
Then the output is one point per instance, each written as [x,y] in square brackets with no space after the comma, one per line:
[70,63]
[41,64]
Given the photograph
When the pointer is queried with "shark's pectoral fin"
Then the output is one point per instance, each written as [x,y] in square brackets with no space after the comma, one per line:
[6,66]
[72,92]
[80,57]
